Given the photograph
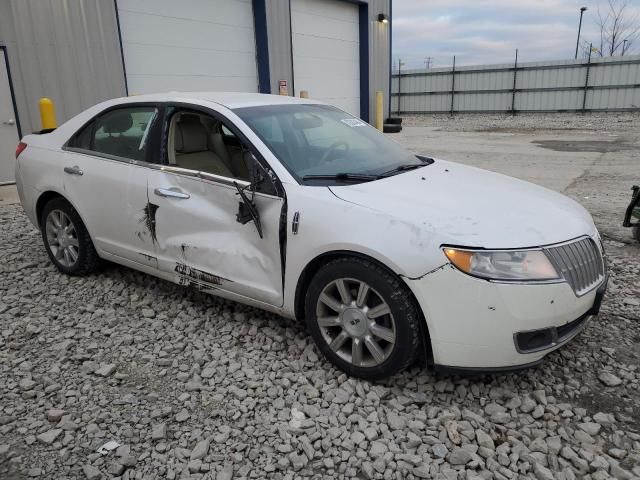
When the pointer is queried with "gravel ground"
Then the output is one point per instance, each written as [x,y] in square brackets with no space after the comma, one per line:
[191,386]
[618,122]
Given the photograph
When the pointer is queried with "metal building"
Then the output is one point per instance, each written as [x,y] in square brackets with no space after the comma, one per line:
[80,52]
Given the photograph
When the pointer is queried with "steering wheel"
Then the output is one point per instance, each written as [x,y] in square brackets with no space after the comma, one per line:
[334,146]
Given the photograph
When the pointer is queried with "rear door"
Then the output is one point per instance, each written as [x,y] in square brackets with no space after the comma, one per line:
[199,238]
[106,167]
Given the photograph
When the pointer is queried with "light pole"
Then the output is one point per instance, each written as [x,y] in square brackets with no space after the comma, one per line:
[582,10]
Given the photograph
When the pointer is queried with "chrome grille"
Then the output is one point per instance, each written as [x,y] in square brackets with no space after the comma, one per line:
[580,263]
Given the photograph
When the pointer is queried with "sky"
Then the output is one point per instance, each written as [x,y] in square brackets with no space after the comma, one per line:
[488,31]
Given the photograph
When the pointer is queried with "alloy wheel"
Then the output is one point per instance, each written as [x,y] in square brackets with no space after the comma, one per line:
[62,238]
[356,322]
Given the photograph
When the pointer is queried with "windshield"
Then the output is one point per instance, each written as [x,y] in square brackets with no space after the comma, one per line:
[321,141]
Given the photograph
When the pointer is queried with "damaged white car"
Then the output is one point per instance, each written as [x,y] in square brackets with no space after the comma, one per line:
[296,207]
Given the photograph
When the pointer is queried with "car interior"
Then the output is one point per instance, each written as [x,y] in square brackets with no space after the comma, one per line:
[200,142]
[121,133]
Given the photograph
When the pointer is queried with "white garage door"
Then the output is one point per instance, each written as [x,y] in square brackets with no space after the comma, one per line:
[188,45]
[326,51]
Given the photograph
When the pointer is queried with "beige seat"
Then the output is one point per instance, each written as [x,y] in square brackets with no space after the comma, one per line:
[192,150]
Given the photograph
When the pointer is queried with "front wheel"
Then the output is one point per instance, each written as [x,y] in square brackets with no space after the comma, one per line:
[362,318]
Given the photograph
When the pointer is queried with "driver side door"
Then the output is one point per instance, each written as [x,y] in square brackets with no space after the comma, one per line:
[199,240]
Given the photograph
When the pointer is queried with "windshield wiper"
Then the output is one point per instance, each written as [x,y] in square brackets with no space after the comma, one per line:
[400,169]
[357,177]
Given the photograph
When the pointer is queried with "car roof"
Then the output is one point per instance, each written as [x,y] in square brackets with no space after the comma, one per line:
[228,99]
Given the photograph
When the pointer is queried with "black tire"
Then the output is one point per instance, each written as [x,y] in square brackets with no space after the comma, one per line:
[404,311]
[394,120]
[87,260]
[391,128]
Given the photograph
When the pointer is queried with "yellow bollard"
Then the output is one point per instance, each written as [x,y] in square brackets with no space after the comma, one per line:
[304,94]
[47,114]
[379,111]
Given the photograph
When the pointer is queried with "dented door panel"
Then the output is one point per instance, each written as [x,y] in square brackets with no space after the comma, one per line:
[200,242]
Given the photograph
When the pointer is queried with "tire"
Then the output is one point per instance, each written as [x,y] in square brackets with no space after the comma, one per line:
[394,120]
[77,239]
[391,128]
[348,325]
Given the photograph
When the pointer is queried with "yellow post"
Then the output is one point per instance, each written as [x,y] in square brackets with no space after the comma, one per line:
[379,110]
[47,113]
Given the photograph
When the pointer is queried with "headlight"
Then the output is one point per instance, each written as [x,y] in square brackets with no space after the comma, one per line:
[503,264]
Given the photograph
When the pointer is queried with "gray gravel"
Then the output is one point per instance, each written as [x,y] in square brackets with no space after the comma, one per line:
[191,386]
[613,122]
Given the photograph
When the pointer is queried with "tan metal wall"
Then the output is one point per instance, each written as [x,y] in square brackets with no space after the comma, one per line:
[67,50]
[279,31]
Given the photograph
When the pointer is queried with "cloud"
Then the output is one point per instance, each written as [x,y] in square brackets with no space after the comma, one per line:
[489,31]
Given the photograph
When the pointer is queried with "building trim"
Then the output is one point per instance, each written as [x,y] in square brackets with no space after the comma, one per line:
[124,67]
[390,53]
[262,45]
[293,72]
[364,61]
[11,89]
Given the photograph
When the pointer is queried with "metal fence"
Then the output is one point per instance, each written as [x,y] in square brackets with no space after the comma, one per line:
[594,84]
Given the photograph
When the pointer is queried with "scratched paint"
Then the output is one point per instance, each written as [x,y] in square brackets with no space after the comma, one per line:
[192,277]
[149,220]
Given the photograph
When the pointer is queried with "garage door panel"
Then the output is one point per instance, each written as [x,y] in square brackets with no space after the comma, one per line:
[188,62]
[193,83]
[326,28]
[184,33]
[337,10]
[223,12]
[315,47]
[326,51]
[334,88]
[188,45]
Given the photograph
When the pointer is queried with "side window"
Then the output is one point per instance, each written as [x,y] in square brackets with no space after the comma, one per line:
[202,143]
[122,133]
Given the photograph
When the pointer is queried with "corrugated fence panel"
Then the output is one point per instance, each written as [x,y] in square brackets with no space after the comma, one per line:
[613,84]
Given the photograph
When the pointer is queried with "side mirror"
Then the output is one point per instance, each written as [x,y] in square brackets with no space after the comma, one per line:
[247,210]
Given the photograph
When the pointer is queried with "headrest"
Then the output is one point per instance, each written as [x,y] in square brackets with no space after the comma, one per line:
[191,136]
[117,122]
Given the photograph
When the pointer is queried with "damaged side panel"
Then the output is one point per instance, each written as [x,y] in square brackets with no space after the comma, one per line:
[202,244]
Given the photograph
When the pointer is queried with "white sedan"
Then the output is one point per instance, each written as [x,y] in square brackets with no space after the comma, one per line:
[296,207]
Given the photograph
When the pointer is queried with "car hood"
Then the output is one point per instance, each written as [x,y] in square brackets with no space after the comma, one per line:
[466,206]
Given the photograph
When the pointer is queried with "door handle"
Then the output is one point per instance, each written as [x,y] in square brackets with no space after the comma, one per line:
[75,170]
[11,121]
[168,192]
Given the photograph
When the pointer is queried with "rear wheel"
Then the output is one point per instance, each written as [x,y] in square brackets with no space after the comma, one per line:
[66,239]
[362,318]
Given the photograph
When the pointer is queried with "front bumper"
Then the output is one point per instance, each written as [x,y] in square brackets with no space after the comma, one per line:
[481,326]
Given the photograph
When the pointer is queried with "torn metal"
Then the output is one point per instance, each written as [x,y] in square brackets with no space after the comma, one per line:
[149,220]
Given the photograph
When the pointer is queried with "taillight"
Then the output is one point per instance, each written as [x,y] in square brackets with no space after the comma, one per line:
[20,148]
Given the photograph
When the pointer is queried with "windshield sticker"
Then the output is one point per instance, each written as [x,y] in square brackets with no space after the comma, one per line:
[353,122]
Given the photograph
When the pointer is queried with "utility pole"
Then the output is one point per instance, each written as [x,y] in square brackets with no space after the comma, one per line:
[624,46]
[427,63]
[582,10]
[400,65]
